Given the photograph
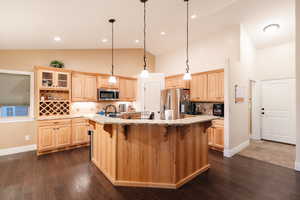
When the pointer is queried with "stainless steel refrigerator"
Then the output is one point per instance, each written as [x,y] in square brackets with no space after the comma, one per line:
[175,103]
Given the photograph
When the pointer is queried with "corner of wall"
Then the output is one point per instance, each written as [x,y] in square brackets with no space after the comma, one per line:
[231,152]
[297,166]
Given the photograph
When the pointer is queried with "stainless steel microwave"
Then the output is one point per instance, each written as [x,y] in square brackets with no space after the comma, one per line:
[108,94]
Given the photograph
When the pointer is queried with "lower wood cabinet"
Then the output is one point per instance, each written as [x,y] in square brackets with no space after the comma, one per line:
[55,135]
[80,128]
[216,135]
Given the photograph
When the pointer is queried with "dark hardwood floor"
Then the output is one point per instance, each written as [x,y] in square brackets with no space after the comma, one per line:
[69,175]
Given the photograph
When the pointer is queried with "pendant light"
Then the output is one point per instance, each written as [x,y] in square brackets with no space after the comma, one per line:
[187,74]
[112,79]
[145,72]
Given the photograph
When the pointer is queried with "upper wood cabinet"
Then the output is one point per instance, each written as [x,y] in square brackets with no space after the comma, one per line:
[215,86]
[53,79]
[199,87]
[176,82]
[208,86]
[84,87]
[128,89]
[102,82]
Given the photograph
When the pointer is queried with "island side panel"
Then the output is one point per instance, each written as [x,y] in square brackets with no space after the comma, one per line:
[191,152]
[104,150]
[146,156]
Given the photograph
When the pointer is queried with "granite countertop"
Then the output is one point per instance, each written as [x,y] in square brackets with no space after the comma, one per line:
[186,121]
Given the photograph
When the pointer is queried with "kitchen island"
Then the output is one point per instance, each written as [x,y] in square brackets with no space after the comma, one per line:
[150,153]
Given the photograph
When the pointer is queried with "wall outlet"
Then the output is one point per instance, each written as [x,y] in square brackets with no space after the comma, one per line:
[27,137]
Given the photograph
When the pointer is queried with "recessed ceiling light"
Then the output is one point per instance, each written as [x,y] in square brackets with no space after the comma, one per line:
[137,41]
[271,28]
[163,33]
[57,39]
[194,16]
[104,40]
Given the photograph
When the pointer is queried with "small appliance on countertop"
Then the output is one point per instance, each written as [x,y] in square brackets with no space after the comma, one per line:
[218,110]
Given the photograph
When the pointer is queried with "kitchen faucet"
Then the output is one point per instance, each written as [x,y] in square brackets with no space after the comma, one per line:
[108,106]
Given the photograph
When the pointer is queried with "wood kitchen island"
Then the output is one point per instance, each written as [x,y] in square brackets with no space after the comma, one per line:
[150,153]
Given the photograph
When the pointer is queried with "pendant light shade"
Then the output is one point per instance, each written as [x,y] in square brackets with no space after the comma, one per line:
[145,72]
[112,79]
[187,75]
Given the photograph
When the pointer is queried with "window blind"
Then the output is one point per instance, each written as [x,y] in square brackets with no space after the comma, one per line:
[14,89]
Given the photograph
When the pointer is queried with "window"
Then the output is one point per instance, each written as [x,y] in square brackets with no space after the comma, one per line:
[16,95]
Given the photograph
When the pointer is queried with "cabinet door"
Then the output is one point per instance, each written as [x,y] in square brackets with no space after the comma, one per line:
[78,88]
[220,86]
[131,89]
[102,82]
[199,87]
[219,137]
[79,134]
[46,79]
[62,80]
[128,89]
[90,88]
[216,86]
[46,138]
[63,136]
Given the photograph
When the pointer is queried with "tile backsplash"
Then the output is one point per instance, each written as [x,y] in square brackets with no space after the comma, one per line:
[90,107]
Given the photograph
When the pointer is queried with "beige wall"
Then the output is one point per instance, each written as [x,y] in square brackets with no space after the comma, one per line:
[13,134]
[206,54]
[276,62]
[298,83]
[240,72]
[129,62]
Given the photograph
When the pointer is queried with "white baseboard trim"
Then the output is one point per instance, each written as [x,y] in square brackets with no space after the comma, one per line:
[231,152]
[297,166]
[14,150]
[255,137]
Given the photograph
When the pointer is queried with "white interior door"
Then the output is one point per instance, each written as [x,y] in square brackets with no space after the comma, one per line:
[278,110]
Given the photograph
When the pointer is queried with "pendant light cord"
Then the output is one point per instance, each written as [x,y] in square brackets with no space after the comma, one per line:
[145,59]
[112,49]
[187,39]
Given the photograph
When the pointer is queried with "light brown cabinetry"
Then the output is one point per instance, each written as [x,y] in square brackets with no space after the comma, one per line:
[53,134]
[128,89]
[176,82]
[52,79]
[215,86]
[208,86]
[80,128]
[216,135]
[84,87]
[199,87]
[53,91]
[103,82]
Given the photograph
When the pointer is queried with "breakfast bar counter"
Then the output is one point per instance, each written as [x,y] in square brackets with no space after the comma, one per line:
[150,153]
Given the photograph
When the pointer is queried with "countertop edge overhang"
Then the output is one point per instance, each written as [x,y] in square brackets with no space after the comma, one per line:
[177,122]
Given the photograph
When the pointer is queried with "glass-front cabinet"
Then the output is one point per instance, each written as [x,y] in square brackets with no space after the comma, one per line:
[54,80]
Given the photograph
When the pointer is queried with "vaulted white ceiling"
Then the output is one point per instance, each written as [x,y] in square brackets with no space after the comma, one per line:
[32,24]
